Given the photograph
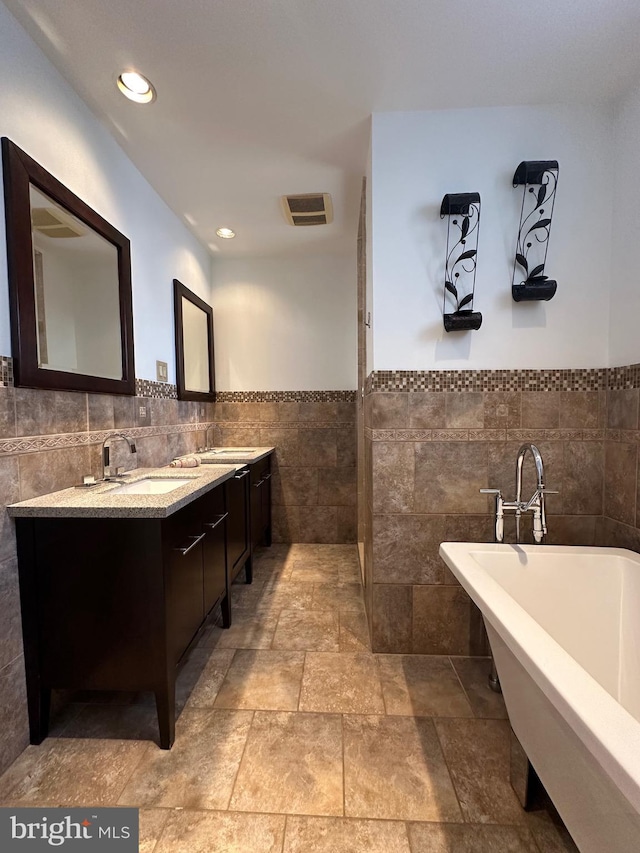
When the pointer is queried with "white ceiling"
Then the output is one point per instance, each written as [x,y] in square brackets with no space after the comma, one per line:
[257,98]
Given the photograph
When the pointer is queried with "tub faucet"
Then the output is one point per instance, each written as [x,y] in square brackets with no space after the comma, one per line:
[535,504]
[106,468]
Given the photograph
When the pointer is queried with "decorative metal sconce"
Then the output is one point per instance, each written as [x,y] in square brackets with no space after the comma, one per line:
[461,259]
[535,227]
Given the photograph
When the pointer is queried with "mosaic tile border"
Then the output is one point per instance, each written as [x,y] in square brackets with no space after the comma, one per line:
[491,435]
[621,378]
[36,443]
[584,379]
[275,425]
[285,396]
[156,390]
[6,371]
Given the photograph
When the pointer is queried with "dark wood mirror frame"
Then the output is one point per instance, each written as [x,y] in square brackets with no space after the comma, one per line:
[180,292]
[20,171]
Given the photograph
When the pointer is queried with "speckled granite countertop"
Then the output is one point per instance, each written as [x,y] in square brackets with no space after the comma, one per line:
[103,500]
[241,455]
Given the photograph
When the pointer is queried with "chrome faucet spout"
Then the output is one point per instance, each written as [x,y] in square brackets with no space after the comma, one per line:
[537,458]
[210,428]
[106,467]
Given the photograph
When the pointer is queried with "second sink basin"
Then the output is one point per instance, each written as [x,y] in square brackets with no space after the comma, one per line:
[151,486]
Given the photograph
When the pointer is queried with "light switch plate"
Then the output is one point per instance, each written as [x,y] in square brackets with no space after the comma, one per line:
[162,373]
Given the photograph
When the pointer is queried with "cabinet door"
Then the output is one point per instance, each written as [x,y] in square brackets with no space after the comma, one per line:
[214,524]
[183,546]
[237,489]
[260,500]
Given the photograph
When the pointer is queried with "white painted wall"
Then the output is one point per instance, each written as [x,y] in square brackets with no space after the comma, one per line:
[42,114]
[420,156]
[625,285]
[285,324]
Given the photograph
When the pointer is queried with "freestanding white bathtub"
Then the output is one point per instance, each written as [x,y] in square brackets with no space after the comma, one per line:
[564,628]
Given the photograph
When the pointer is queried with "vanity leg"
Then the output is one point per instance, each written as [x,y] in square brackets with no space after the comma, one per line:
[225,607]
[267,537]
[166,707]
[39,704]
[248,570]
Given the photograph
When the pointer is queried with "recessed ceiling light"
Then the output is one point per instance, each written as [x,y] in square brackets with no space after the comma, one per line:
[226,233]
[136,87]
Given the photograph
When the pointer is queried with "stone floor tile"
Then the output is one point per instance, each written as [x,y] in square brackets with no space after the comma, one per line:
[344,835]
[341,684]
[262,680]
[72,772]
[314,573]
[452,838]
[394,769]
[474,675]
[349,573]
[478,755]
[152,822]
[200,769]
[249,630]
[307,630]
[354,632]
[550,836]
[204,692]
[287,595]
[422,686]
[221,832]
[292,764]
[340,596]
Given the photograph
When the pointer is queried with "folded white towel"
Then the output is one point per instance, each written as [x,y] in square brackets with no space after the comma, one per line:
[187,462]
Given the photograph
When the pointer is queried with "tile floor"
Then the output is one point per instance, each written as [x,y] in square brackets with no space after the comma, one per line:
[294,738]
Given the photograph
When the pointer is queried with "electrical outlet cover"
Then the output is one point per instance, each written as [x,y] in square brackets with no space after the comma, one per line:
[162,372]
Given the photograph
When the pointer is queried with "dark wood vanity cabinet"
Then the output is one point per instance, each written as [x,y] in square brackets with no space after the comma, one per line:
[115,603]
[261,502]
[239,536]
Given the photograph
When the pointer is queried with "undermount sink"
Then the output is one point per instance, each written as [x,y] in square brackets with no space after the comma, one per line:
[150,486]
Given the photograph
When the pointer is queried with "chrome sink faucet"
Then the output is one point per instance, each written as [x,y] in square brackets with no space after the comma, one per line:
[208,446]
[535,504]
[106,468]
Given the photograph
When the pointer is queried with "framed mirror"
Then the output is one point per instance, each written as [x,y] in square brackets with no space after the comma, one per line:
[195,376]
[69,285]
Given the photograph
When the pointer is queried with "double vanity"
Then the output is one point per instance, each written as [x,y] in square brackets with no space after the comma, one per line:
[118,579]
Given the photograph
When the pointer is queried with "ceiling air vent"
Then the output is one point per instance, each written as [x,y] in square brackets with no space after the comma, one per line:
[308,209]
[54,223]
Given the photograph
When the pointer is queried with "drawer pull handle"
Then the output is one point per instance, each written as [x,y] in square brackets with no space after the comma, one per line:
[266,477]
[241,475]
[259,483]
[213,524]
[196,539]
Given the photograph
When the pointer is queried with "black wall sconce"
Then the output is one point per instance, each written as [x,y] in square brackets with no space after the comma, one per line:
[540,180]
[463,227]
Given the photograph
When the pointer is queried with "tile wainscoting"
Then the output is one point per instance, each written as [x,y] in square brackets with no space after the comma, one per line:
[314,483]
[429,452]
[50,439]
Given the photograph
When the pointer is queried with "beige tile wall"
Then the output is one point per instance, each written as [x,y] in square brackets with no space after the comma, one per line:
[429,455]
[314,480]
[620,525]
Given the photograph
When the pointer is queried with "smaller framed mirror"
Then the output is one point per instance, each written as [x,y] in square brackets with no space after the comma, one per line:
[69,285]
[195,373]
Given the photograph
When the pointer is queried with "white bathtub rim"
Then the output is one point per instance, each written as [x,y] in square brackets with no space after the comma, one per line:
[608,731]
